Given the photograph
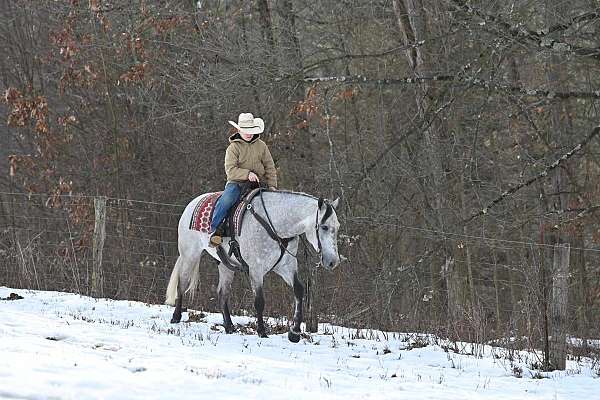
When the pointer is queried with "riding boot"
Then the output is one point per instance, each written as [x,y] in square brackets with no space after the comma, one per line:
[215,240]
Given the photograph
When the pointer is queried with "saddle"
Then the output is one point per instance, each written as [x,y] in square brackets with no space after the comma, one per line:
[232,225]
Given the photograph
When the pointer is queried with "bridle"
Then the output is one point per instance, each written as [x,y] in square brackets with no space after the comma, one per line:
[328,212]
[282,242]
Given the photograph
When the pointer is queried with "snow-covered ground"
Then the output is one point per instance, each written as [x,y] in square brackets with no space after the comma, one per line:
[65,346]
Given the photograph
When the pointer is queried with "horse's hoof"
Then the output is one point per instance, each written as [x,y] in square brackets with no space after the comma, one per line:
[293,336]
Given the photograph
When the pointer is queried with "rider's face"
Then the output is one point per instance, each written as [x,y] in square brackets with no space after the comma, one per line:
[246,136]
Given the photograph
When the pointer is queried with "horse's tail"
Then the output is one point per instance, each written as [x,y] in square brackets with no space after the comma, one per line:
[194,280]
[171,294]
[182,268]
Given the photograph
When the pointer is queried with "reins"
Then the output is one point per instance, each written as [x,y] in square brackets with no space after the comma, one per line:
[283,242]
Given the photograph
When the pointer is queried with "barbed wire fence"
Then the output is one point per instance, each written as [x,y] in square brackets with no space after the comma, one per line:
[51,243]
[126,249]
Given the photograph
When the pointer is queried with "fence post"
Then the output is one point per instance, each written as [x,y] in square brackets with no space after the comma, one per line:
[453,287]
[98,246]
[558,306]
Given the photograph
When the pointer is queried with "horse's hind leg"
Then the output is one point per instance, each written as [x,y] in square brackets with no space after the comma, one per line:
[174,293]
[225,279]
[184,271]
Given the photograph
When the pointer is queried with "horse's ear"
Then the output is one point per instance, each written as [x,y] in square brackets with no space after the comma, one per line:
[335,203]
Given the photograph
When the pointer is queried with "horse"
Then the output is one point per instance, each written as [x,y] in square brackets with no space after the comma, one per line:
[290,215]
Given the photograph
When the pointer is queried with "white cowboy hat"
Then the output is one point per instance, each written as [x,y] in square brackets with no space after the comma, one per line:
[248,124]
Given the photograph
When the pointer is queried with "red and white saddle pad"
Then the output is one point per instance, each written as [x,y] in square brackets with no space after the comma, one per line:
[202,215]
[203,212]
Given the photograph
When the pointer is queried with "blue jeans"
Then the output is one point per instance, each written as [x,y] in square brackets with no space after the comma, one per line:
[230,195]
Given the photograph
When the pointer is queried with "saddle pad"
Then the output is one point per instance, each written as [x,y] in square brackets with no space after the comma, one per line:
[202,215]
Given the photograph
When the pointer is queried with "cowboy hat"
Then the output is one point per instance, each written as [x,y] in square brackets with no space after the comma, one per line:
[248,124]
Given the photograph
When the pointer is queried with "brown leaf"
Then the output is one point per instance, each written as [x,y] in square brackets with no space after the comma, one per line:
[95,5]
[11,94]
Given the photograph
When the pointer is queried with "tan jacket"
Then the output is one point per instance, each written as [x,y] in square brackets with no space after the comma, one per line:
[242,157]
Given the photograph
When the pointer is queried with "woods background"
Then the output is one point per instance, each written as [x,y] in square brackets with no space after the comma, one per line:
[459,135]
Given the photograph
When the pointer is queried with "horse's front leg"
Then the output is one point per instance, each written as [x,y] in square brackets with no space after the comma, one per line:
[294,333]
[256,281]
[225,279]
[259,304]
[288,270]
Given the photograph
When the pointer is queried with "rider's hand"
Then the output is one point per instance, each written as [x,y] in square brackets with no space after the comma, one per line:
[252,177]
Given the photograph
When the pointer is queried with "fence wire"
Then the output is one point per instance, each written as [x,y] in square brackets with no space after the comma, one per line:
[393,278]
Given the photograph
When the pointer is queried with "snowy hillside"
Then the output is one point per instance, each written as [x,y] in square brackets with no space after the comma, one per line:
[65,346]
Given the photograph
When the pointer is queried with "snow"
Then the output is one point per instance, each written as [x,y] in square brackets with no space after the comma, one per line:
[65,346]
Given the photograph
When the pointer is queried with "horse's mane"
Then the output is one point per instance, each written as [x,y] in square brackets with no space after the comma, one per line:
[328,211]
[296,193]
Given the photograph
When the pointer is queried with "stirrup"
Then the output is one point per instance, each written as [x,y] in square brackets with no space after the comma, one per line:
[215,240]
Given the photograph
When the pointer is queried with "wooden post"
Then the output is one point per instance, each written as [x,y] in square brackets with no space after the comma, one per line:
[558,306]
[455,283]
[497,295]
[98,246]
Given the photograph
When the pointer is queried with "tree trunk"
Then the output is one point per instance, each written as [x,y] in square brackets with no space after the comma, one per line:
[411,18]
[559,299]
[581,287]
[265,23]
[298,122]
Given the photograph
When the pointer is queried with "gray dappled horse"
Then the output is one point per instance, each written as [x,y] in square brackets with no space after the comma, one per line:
[291,215]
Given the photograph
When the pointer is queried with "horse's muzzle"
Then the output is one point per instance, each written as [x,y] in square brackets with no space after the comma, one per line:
[330,264]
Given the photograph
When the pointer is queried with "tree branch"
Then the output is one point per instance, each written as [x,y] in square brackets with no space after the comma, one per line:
[458,79]
[543,174]
[323,61]
[541,39]
[425,124]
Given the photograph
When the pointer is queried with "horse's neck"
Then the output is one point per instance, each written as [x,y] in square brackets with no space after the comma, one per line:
[290,213]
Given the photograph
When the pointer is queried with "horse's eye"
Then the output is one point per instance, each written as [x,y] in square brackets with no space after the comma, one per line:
[324,227]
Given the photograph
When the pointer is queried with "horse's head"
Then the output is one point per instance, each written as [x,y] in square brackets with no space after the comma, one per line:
[324,236]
